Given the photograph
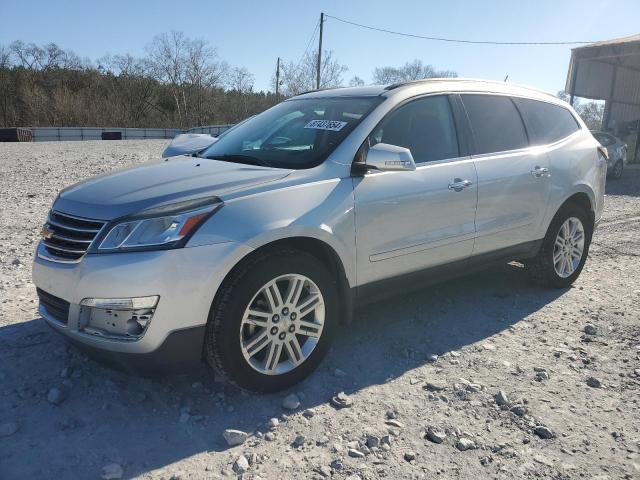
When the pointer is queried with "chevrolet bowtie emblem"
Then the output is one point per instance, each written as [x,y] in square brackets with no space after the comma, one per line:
[46,233]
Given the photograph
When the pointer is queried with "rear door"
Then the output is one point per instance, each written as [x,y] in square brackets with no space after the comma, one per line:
[513,179]
[408,221]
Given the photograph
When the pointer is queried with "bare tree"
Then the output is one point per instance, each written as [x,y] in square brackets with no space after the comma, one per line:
[301,77]
[168,57]
[5,56]
[414,70]
[356,81]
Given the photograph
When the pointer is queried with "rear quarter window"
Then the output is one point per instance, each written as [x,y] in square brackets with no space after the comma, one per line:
[496,123]
[546,123]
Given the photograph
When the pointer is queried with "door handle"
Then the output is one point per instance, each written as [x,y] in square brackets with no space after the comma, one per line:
[540,172]
[458,184]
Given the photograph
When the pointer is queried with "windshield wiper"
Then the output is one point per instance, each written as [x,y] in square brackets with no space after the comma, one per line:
[238,158]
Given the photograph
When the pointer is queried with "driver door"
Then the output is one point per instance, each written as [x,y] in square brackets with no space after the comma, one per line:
[411,220]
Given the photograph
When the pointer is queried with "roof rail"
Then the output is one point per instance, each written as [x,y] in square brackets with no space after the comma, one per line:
[393,86]
[459,79]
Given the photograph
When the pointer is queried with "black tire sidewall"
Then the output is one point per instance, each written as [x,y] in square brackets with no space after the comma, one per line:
[227,318]
[617,173]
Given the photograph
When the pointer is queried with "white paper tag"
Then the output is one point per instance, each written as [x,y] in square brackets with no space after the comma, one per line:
[333,125]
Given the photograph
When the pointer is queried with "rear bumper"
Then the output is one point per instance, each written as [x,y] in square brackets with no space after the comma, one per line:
[177,354]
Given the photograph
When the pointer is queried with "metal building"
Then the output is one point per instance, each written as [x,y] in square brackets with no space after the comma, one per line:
[610,71]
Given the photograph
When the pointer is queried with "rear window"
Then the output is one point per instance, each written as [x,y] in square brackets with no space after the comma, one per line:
[547,123]
[496,123]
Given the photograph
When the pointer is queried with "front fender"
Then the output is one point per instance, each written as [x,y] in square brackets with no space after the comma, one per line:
[321,210]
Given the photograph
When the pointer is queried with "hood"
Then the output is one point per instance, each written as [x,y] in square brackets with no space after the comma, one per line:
[131,190]
[188,143]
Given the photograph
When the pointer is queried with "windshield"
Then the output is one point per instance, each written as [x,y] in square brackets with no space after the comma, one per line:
[298,133]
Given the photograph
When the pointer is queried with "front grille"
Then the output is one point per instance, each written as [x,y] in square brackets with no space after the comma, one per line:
[69,237]
[56,307]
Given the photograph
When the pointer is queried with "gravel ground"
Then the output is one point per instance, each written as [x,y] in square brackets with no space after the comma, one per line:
[485,377]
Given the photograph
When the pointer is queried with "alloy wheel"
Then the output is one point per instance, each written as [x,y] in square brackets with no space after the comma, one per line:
[282,324]
[569,247]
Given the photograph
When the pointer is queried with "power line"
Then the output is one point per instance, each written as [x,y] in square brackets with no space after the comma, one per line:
[450,40]
[313,36]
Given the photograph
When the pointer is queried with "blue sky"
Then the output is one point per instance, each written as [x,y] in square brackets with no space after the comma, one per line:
[254,33]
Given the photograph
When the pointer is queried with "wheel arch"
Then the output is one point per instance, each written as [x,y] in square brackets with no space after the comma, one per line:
[583,200]
[323,252]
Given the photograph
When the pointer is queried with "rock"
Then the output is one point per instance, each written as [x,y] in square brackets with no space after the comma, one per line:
[16,262]
[273,423]
[394,423]
[593,382]
[298,441]
[291,402]
[324,471]
[355,453]
[590,329]
[432,357]
[341,400]
[409,456]
[113,471]
[355,476]
[8,428]
[543,375]
[465,444]
[519,410]
[544,432]
[241,465]
[501,398]
[391,414]
[436,434]
[269,436]
[235,437]
[434,387]
[308,413]
[373,441]
[55,396]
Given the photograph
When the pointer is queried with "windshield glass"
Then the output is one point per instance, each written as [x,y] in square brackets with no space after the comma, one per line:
[298,133]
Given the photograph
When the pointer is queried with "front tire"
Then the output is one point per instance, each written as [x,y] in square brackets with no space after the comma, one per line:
[564,249]
[272,321]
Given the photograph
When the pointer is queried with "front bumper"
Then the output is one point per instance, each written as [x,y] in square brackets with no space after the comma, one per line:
[185,279]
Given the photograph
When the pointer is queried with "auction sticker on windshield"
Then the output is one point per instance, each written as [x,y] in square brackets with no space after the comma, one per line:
[333,125]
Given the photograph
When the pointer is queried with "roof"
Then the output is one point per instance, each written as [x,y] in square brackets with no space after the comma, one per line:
[429,85]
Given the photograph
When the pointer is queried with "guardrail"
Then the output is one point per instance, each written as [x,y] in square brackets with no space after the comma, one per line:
[48,134]
[44,134]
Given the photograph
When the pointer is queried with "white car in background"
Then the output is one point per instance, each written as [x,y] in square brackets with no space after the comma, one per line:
[616,150]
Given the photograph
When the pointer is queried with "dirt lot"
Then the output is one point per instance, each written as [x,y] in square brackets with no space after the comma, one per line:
[434,361]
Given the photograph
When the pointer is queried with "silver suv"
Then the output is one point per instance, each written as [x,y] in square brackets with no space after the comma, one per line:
[250,254]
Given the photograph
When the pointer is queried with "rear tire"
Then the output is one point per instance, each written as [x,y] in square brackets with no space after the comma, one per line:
[265,340]
[557,264]
[618,168]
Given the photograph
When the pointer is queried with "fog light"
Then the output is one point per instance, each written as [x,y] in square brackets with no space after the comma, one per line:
[117,318]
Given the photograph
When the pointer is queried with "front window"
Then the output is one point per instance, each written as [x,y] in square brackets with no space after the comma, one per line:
[298,133]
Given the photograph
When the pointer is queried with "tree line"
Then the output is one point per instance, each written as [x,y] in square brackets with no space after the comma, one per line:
[179,82]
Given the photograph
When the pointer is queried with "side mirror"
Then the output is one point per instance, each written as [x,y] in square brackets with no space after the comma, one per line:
[389,158]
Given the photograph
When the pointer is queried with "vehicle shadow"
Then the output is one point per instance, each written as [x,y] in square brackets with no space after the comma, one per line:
[146,425]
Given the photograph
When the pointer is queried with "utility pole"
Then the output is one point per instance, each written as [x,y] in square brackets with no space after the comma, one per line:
[319,53]
[277,78]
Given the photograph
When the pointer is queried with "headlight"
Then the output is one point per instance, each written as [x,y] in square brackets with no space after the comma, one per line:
[169,226]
